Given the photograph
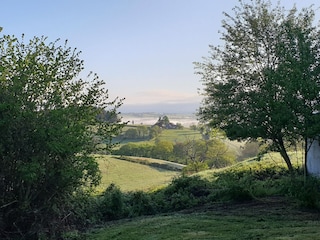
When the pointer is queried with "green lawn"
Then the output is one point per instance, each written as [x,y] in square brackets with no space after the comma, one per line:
[269,219]
[131,176]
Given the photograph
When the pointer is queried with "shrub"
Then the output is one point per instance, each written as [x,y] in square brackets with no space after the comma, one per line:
[140,203]
[306,191]
[185,192]
[111,204]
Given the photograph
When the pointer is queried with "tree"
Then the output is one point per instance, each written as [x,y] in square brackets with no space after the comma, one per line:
[142,131]
[162,150]
[131,133]
[154,131]
[48,123]
[264,81]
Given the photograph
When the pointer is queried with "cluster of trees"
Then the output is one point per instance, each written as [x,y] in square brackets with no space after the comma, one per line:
[263,81]
[141,132]
[198,154]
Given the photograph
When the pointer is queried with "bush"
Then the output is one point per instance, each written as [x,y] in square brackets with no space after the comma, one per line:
[140,203]
[112,204]
[306,191]
[185,192]
[195,167]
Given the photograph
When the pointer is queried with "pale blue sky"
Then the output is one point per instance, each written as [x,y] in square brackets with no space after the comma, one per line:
[143,49]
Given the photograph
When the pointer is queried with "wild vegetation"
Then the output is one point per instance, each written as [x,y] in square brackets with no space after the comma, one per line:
[49,129]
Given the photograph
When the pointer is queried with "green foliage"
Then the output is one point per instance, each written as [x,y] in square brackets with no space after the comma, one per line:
[195,167]
[185,192]
[131,133]
[263,81]
[195,152]
[162,150]
[111,204]
[49,128]
[305,190]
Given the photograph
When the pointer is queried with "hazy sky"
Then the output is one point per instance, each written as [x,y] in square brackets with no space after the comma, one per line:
[143,49]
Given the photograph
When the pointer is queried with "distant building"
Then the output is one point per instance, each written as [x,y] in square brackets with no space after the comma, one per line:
[164,122]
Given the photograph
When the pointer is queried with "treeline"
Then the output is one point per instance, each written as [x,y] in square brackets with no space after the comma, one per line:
[210,151]
[196,154]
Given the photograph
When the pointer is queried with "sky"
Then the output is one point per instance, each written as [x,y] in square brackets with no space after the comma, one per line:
[143,49]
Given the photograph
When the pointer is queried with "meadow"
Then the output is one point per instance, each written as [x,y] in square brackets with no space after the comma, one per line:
[132,176]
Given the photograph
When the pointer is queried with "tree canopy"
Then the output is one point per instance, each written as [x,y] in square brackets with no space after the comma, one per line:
[49,129]
[264,80]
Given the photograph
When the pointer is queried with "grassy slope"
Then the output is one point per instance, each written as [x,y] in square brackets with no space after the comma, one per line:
[131,176]
[269,219]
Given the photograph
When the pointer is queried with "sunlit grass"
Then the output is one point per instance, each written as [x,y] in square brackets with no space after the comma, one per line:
[131,176]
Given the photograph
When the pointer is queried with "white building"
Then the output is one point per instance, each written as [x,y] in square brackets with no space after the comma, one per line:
[313,157]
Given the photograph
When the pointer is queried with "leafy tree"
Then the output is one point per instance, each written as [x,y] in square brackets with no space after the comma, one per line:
[264,81]
[154,131]
[219,154]
[108,116]
[162,149]
[142,131]
[131,133]
[48,120]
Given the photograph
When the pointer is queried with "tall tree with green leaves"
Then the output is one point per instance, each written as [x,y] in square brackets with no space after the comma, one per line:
[263,82]
[49,129]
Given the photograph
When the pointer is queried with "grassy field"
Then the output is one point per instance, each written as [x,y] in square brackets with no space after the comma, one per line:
[179,135]
[271,218]
[130,176]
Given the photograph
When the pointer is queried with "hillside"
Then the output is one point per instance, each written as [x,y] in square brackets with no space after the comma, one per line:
[250,200]
[267,219]
[131,176]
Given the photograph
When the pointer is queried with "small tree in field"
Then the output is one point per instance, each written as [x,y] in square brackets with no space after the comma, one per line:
[49,127]
[264,81]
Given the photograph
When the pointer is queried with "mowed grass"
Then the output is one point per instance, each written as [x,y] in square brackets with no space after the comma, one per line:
[130,176]
[258,220]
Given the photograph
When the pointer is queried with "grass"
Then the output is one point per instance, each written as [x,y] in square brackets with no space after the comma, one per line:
[179,135]
[272,159]
[129,176]
[270,219]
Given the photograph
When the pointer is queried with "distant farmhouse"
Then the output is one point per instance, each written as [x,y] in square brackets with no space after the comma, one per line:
[164,122]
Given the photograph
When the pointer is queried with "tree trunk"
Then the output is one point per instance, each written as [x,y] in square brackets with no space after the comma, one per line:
[284,154]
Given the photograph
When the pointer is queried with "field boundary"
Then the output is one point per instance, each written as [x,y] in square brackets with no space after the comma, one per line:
[157,163]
